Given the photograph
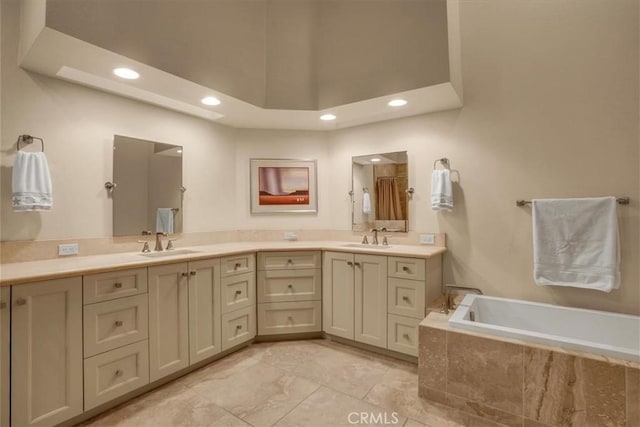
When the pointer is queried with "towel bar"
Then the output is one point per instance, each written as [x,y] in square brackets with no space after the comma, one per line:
[28,139]
[621,201]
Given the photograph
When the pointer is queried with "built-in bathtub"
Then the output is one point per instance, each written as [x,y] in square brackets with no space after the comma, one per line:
[598,332]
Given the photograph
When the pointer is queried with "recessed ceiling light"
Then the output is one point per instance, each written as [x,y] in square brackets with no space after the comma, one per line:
[397,103]
[126,73]
[327,117]
[210,100]
[375,159]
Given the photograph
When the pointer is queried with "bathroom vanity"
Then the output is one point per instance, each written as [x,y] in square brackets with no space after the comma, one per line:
[92,332]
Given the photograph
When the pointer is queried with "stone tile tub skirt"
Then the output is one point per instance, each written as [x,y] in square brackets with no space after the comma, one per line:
[513,383]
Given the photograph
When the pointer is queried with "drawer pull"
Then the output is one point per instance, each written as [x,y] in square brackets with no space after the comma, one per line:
[238,327]
[118,373]
[406,269]
[185,274]
[193,273]
[406,336]
[349,263]
[289,261]
[237,266]
[21,301]
[357,264]
[291,318]
[290,286]
[238,292]
[118,323]
[117,285]
[405,298]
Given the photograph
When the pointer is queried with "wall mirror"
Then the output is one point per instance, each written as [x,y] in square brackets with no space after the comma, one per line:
[147,196]
[380,192]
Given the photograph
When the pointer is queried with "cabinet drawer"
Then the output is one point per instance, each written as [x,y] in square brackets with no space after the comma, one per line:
[112,324]
[114,373]
[406,268]
[237,264]
[238,326]
[406,297]
[238,292]
[403,334]
[114,284]
[289,317]
[288,260]
[289,285]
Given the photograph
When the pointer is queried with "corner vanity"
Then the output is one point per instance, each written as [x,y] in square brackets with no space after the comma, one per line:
[88,333]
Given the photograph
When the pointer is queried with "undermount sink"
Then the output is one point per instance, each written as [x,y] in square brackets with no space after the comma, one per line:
[169,253]
[366,246]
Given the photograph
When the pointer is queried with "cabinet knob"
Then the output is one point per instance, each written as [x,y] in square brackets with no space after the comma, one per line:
[357,264]
[289,261]
[193,273]
[349,263]
[185,274]
[237,266]
[118,323]
[118,373]
[21,301]
[117,285]
[405,268]
[238,327]
[406,298]
[290,286]
[291,318]
[406,336]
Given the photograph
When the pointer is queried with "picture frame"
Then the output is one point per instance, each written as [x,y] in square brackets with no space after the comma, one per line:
[283,186]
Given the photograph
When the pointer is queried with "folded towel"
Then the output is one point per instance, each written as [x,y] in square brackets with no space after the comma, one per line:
[164,220]
[441,190]
[31,183]
[366,203]
[575,243]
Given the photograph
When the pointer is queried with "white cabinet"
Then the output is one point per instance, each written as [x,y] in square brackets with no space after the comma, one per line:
[355,297]
[204,309]
[168,319]
[238,299]
[46,357]
[5,355]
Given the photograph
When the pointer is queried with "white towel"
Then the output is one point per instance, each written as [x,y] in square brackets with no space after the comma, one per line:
[575,243]
[366,203]
[164,220]
[441,191]
[31,183]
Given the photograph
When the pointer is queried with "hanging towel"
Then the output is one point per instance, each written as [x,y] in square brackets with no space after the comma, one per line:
[366,203]
[31,183]
[575,243]
[164,221]
[441,190]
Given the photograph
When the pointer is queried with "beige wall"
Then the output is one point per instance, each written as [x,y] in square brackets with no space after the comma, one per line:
[551,110]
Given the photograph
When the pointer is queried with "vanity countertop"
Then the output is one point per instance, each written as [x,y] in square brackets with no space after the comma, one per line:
[24,272]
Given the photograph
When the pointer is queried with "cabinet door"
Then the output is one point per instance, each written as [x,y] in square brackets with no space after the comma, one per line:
[371,299]
[168,319]
[5,296]
[46,331]
[204,309]
[338,294]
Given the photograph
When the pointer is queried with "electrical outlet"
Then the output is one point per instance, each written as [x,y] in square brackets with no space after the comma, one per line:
[69,249]
[290,235]
[427,239]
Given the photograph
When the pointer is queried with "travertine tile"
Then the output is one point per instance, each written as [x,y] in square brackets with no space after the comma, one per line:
[432,360]
[350,371]
[486,371]
[327,407]
[254,391]
[483,413]
[568,390]
[633,396]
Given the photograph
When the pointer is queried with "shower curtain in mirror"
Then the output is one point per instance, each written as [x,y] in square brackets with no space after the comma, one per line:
[388,199]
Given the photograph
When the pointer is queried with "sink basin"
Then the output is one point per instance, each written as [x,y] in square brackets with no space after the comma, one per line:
[168,253]
[364,246]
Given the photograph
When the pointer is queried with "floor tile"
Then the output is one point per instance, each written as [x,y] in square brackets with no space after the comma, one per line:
[327,407]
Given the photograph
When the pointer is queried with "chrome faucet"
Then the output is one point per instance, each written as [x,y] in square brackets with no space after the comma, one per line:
[449,304]
[158,247]
[374,240]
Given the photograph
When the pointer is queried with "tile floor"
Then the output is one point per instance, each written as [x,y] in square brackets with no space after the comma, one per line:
[293,383]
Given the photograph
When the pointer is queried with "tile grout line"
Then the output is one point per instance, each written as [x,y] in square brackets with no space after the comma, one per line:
[299,403]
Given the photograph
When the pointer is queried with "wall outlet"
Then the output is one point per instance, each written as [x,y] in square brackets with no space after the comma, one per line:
[69,249]
[290,235]
[427,239]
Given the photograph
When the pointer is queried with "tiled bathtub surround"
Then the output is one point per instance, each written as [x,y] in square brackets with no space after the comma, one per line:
[33,250]
[515,384]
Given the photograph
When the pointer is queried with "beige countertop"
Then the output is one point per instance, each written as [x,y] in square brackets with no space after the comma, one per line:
[24,272]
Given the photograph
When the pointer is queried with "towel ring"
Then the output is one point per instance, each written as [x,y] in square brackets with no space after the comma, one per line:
[444,161]
[28,139]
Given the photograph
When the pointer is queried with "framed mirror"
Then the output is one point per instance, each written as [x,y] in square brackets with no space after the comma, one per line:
[380,184]
[147,196]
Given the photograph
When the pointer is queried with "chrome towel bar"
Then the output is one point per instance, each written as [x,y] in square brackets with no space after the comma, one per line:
[620,200]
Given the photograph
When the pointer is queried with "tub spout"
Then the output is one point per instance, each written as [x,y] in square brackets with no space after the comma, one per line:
[449,305]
